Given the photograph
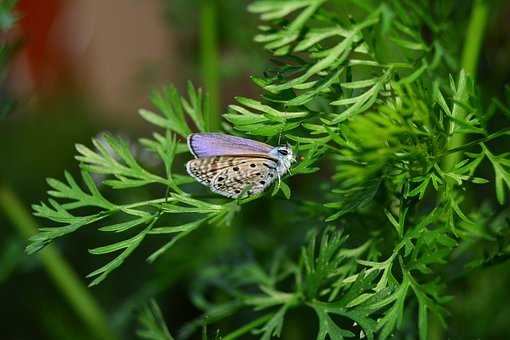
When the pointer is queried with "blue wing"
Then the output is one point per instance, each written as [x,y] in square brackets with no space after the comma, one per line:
[218,144]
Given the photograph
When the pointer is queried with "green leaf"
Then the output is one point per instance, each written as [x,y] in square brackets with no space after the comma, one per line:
[327,327]
[274,326]
[155,119]
[351,198]
[152,324]
[169,102]
[501,165]
[281,185]
[128,245]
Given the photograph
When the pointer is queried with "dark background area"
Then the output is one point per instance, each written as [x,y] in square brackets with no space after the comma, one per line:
[83,67]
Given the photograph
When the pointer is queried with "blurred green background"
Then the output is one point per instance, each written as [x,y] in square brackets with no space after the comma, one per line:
[81,67]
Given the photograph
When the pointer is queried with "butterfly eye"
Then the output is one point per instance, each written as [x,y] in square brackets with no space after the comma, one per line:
[283,152]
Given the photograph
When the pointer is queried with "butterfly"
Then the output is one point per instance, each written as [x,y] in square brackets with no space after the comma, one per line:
[236,167]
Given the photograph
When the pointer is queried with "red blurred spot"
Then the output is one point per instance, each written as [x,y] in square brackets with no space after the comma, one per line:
[46,62]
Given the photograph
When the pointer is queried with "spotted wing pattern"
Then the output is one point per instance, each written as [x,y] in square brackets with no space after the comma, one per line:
[234,176]
[204,169]
[250,177]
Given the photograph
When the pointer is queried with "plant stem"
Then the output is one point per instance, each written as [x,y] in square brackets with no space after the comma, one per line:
[474,36]
[209,59]
[248,327]
[59,270]
[470,55]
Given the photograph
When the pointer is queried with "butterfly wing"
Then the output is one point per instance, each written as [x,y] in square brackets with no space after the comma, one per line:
[218,144]
[249,177]
[234,176]
[204,169]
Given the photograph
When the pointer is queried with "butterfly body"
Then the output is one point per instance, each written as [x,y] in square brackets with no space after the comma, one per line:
[236,167]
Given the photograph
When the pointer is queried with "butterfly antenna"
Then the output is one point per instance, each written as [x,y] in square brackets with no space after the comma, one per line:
[298,147]
[280,135]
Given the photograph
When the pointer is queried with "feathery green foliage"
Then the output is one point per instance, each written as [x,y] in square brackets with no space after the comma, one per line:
[152,324]
[371,96]
[112,157]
